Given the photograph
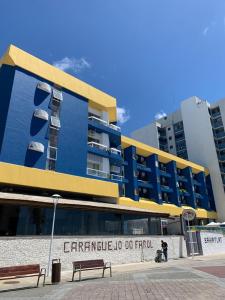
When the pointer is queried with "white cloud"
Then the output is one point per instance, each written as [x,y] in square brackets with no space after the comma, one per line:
[122,115]
[160,115]
[205,31]
[76,65]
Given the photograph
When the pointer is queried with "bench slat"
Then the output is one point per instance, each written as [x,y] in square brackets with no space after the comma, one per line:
[85,264]
[19,270]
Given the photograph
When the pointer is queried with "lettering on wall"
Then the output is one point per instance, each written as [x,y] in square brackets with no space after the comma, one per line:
[109,245]
[213,240]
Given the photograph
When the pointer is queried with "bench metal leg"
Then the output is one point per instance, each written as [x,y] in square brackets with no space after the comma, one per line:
[44,280]
[110,271]
[103,272]
[73,275]
[80,275]
[38,280]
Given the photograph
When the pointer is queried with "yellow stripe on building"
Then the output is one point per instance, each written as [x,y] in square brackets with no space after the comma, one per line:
[17,57]
[170,209]
[36,178]
[164,157]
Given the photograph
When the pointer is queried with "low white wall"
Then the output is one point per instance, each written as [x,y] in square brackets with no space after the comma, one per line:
[212,242]
[117,250]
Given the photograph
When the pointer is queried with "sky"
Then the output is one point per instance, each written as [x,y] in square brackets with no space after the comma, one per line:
[149,54]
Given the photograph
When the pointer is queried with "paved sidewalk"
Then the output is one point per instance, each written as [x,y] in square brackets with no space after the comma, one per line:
[180,279]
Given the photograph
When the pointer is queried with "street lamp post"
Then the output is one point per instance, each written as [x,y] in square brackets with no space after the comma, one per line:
[56,198]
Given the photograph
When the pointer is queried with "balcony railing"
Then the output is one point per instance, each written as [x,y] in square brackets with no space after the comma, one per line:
[165,187]
[104,148]
[222,170]
[102,174]
[116,177]
[178,130]
[105,123]
[219,135]
[97,173]
[220,146]
[97,145]
[179,139]
[217,124]
[115,151]
[215,115]
[221,157]
[115,127]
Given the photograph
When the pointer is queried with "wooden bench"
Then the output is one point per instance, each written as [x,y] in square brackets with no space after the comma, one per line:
[22,272]
[85,265]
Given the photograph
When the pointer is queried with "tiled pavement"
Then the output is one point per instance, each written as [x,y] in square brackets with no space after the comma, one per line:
[183,279]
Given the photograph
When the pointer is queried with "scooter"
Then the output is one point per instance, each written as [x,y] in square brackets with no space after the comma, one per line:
[158,256]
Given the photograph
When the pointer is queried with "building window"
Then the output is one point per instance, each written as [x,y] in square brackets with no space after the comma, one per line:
[52,153]
[51,164]
[170,138]
[171,147]
[169,128]
[55,107]
[93,166]
[30,220]
[94,162]
[54,129]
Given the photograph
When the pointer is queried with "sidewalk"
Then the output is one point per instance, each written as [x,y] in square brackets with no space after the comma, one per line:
[183,279]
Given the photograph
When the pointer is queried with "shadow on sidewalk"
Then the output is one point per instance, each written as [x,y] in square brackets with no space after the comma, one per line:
[18,289]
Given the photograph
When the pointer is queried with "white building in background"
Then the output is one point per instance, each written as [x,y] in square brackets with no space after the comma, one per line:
[194,132]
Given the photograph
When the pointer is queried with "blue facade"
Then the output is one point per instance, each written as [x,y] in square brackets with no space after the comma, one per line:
[6,83]
[72,144]
[165,182]
[21,127]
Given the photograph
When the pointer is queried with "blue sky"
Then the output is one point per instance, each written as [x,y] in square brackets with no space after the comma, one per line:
[149,54]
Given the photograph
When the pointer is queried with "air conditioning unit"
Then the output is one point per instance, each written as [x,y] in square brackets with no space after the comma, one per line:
[57,94]
[36,146]
[41,114]
[44,87]
[55,122]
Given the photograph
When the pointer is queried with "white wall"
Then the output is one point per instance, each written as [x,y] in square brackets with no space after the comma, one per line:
[147,135]
[118,250]
[201,147]
[212,243]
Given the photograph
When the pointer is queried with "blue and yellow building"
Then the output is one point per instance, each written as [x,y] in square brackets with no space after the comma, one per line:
[60,135]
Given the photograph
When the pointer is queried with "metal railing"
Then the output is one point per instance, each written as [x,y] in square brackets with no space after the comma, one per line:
[102,174]
[105,123]
[115,151]
[104,148]
[217,124]
[97,173]
[215,115]
[165,187]
[116,177]
[97,145]
[220,146]
[221,157]
[219,135]
[115,127]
